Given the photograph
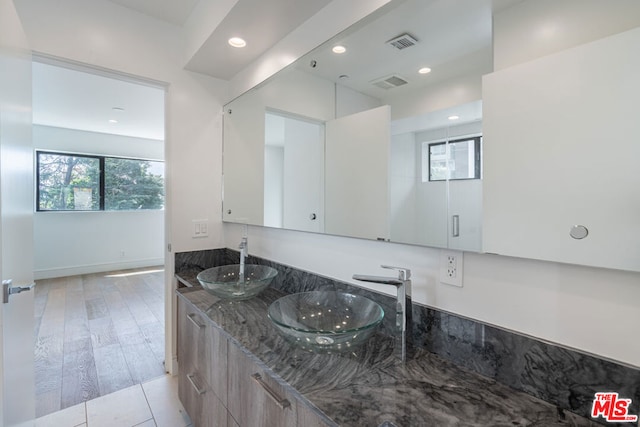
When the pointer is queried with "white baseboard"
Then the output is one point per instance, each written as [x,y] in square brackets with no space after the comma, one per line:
[95,268]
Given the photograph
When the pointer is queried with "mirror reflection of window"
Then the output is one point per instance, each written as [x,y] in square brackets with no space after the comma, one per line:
[459,159]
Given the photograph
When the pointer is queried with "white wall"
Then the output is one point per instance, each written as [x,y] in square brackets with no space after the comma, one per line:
[349,101]
[533,29]
[572,305]
[68,243]
[450,93]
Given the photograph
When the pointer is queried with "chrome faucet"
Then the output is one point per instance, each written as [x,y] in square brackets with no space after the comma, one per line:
[403,303]
[244,253]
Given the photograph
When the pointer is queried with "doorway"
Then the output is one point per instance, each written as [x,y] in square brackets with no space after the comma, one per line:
[99,228]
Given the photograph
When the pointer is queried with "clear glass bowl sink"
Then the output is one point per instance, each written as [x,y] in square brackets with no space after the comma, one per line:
[326,321]
[224,281]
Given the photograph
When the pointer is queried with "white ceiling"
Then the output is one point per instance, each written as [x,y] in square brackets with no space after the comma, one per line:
[454,39]
[172,11]
[260,23]
[72,99]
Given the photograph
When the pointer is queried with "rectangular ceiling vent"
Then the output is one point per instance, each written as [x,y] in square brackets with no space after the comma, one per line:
[389,82]
[403,41]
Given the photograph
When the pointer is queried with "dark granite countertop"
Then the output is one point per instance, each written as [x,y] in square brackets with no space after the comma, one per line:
[370,386]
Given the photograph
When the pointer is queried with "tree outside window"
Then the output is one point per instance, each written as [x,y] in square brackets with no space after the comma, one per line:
[68,182]
[132,185]
[77,182]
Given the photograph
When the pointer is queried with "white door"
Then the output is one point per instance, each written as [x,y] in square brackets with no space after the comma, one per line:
[356,174]
[17,394]
[303,175]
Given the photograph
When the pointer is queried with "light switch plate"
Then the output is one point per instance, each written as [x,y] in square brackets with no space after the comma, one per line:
[200,228]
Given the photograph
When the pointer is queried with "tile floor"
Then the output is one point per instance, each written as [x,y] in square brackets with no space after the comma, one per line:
[151,404]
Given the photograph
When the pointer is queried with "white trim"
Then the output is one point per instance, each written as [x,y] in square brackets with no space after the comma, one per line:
[70,64]
[96,268]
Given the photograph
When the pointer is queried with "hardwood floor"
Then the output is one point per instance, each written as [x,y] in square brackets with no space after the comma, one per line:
[96,334]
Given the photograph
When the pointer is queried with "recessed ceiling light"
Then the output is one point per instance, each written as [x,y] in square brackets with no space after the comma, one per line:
[424,70]
[113,121]
[237,42]
[339,49]
[454,117]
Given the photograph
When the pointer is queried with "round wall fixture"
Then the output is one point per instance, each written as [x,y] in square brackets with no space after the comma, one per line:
[579,232]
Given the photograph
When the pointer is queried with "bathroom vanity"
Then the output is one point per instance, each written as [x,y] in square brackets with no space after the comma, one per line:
[220,382]
[236,370]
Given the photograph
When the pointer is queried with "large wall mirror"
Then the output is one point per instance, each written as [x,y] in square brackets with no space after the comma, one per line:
[388,139]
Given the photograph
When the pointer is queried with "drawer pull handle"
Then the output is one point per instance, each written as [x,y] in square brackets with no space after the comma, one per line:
[191,379]
[191,317]
[282,403]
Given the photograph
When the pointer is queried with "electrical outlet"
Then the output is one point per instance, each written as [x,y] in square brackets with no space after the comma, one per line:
[451,267]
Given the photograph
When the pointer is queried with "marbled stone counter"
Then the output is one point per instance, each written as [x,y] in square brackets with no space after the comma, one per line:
[370,385]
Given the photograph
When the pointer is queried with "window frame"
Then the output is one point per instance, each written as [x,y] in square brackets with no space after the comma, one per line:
[477,161]
[101,181]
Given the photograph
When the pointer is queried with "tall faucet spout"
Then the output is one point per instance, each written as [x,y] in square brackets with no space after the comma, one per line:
[403,302]
[244,252]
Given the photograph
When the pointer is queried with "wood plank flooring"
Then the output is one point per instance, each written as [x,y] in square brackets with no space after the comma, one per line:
[96,334]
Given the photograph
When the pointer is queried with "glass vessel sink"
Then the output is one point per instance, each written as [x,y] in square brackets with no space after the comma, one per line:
[225,281]
[326,321]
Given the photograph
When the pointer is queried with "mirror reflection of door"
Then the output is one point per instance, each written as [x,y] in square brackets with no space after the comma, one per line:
[435,178]
[357,184]
[293,173]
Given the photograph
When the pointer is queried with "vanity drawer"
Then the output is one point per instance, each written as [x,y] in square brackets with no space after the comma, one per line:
[202,360]
[194,341]
[255,399]
[202,405]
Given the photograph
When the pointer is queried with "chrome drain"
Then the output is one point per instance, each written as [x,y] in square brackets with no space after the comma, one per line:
[324,340]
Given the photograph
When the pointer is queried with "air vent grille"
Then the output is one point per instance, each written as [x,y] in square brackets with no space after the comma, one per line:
[403,41]
[389,82]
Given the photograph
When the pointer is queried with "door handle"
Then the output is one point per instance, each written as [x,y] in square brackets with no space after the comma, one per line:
[455,226]
[8,289]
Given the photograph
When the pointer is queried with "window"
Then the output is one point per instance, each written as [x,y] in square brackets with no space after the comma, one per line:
[459,159]
[71,182]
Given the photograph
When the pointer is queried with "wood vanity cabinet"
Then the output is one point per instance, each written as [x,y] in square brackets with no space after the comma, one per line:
[202,379]
[222,386]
